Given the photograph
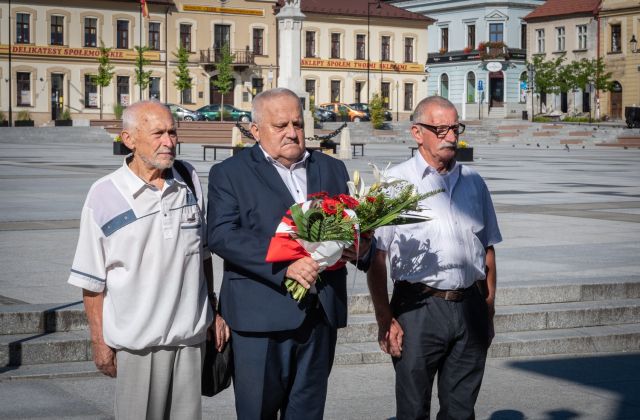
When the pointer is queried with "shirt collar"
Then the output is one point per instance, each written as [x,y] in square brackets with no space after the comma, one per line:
[136,185]
[301,163]
[423,168]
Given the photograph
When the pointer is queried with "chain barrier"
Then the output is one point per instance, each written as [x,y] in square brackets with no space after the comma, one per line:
[246,133]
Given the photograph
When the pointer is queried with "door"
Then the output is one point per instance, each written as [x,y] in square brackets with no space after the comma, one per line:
[57,95]
[616,101]
[496,89]
[215,96]
[564,104]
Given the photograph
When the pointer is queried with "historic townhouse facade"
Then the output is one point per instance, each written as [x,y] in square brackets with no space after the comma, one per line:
[354,49]
[620,48]
[54,52]
[477,54]
[566,28]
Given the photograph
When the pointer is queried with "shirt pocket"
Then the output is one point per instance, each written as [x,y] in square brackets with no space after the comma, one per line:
[191,229]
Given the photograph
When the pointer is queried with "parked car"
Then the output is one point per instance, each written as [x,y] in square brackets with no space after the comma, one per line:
[231,113]
[183,114]
[361,106]
[324,115]
[343,109]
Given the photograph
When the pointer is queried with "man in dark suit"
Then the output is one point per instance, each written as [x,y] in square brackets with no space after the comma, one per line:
[283,349]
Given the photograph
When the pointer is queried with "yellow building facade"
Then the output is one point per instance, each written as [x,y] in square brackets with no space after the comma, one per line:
[619,28]
[49,53]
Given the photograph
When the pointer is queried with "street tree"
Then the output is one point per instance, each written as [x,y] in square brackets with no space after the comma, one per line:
[183,78]
[105,71]
[142,77]
[224,80]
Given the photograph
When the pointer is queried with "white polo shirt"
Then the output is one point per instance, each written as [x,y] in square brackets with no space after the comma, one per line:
[144,248]
[447,252]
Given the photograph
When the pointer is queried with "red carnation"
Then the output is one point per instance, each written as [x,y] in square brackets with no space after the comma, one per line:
[330,206]
[371,199]
[348,201]
[321,194]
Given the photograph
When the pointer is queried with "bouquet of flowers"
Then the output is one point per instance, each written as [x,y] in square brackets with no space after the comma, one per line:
[320,228]
[387,202]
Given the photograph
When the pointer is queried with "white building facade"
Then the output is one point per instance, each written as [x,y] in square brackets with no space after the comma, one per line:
[477,54]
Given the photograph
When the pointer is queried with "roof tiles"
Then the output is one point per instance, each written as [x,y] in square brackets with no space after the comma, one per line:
[358,8]
[555,8]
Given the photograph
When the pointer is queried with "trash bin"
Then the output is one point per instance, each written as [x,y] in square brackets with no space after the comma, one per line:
[525,115]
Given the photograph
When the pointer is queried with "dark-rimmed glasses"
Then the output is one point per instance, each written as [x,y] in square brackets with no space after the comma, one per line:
[441,131]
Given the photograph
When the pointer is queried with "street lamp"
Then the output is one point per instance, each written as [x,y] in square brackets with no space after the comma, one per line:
[532,72]
[378,6]
[634,44]
[397,101]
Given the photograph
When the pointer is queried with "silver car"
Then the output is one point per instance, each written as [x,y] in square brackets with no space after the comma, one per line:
[183,114]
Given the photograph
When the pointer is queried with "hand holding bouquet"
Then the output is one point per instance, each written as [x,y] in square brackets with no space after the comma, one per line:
[320,228]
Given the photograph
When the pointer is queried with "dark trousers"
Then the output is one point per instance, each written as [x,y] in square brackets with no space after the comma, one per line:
[444,337]
[284,371]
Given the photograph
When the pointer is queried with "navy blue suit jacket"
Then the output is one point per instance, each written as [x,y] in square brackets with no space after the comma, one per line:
[247,199]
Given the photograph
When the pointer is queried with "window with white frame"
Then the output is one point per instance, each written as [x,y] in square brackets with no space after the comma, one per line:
[408,96]
[90,91]
[23,91]
[582,36]
[385,48]
[444,40]
[335,91]
[361,40]
[471,87]
[540,40]
[23,32]
[154,36]
[444,86]
[471,36]
[90,32]
[310,44]
[616,36]
[408,50]
[57,30]
[560,38]
[496,32]
[335,45]
[258,41]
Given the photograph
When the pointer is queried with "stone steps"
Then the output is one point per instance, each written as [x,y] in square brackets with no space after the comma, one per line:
[599,339]
[531,319]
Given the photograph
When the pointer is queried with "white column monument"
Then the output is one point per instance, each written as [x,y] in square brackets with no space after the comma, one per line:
[290,46]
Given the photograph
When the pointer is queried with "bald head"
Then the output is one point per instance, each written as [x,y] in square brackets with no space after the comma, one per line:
[132,115]
[425,107]
[267,97]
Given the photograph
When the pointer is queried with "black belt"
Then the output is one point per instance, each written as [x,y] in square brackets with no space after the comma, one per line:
[420,290]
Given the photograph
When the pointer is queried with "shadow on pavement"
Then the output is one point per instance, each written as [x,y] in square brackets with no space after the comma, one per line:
[618,374]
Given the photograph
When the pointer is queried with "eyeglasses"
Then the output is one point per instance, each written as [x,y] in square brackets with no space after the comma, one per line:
[441,131]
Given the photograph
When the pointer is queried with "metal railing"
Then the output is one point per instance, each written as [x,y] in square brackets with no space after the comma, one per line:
[240,57]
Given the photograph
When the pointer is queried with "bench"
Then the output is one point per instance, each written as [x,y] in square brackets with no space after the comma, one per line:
[215,148]
[360,145]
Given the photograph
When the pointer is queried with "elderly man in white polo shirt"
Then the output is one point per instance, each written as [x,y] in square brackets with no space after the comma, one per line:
[440,319]
[143,264]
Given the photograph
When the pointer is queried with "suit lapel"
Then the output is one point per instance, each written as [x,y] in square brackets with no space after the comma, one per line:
[314,179]
[270,176]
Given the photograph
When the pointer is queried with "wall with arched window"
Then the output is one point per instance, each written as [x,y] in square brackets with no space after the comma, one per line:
[444,86]
[471,87]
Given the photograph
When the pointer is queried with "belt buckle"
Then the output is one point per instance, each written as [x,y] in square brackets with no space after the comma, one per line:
[453,295]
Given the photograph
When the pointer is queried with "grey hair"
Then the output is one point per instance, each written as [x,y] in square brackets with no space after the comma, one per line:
[131,113]
[258,101]
[423,106]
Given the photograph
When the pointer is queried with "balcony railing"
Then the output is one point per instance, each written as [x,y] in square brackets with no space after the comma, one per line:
[240,57]
[498,53]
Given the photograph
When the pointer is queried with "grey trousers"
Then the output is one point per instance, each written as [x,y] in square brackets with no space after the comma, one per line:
[443,337]
[159,383]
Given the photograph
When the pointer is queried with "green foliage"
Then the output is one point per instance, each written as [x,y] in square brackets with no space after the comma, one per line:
[223,81]
[576,119]
[143,78]
[546,79]
[66,115]
[312,108]
[542,119]
[105,71]
[183,78]
[118,109]
[376,110]
[24,115]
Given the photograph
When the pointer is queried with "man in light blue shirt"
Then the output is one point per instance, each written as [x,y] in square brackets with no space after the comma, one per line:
[440,318]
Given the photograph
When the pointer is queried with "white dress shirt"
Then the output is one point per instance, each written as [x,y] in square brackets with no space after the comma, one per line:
[447,252]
